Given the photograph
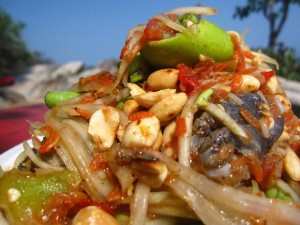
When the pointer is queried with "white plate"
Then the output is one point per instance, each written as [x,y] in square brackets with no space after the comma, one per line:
[8,158]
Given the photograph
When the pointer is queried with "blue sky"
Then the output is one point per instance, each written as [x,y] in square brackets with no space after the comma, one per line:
[95,30]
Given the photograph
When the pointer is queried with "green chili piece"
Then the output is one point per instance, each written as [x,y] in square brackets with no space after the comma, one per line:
[54,98]
[204,38]
[202,99]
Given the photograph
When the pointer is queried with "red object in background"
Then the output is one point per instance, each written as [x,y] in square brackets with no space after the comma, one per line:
[14,124]
[6,81]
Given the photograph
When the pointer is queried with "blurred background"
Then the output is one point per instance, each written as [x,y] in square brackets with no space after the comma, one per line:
[48,44]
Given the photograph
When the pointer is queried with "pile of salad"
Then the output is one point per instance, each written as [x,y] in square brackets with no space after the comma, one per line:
[195,128]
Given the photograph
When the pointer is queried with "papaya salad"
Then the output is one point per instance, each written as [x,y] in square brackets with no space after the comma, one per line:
[195,128]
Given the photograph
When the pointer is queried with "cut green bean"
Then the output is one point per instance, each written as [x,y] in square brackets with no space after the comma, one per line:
[271,193]
[134,78]
[282,196]
[120,105]
[54,98]
[276,193]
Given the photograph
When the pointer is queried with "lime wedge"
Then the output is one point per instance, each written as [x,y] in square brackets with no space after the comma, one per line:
[204,38]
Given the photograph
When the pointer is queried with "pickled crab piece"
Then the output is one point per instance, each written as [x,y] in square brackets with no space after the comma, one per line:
[215,144]
[215,149]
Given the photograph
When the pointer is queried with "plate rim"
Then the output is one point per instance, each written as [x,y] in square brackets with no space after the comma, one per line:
[8,157]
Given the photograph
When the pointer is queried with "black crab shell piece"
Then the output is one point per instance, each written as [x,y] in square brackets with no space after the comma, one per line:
[204,124]
[251,102]
[214,149]
[210,139]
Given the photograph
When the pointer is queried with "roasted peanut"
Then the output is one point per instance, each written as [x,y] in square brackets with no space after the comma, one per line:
[156,146]
[135,89]
[93,215]
[130,106]
[141,133]
[123,123]
[163,79]
[120,132]
[285,102]
[292,164]
[103,127]
[169,107]
[274,86]
[156,171]
[148,99]
[285,136]
[249,83]
[168,134]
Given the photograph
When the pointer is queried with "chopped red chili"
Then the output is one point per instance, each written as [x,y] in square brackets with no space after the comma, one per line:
[51,139]
[140,115]
[180,127]
[268,74]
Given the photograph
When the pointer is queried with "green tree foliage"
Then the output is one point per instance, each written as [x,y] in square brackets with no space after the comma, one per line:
[276,13]
[14,55]
[288,61]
